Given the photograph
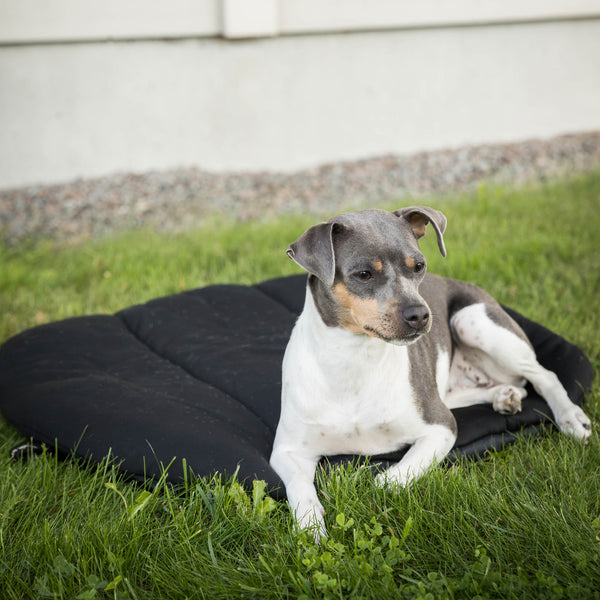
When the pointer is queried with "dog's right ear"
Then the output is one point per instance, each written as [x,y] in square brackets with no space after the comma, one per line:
[314,251]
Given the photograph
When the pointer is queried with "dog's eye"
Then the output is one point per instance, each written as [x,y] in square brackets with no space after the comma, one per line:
[419,266]
[363,275]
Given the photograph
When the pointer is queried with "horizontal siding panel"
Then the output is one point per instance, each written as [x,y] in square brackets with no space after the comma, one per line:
[312,16]
[46,21]
[43,21]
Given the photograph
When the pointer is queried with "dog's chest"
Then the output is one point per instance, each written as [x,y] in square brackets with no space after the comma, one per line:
[366,406]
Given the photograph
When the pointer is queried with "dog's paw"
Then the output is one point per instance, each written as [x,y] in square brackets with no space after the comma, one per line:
[574,422]
[507,399]
[309,517]
[382,481]
[392,479]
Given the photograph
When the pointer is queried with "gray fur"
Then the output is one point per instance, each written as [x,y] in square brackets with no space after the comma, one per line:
[313,251]
[325,303]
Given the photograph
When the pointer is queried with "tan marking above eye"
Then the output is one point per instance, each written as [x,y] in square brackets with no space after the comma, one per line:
[410,262]
[377,265]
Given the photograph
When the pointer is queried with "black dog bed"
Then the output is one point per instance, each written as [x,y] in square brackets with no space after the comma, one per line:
[197,376]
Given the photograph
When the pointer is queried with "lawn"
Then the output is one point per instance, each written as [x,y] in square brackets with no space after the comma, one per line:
[522,523]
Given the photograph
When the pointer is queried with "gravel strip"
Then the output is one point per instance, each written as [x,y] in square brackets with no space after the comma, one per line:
[180,199]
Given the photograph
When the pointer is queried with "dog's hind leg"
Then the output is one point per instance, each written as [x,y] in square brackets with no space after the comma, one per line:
[499,348]
[506,399]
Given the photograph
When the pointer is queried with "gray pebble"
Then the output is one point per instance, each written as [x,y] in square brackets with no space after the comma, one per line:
[183,198]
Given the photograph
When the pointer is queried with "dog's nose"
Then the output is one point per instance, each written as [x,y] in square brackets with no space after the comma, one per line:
[416,316]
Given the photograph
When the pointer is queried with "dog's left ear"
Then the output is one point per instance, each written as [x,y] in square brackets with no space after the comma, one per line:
[419,216]
[314,252]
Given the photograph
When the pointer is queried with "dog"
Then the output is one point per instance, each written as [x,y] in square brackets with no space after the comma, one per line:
[383,350]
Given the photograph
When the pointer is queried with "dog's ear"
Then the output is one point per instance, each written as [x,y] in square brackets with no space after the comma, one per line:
[419,216]
[314,251]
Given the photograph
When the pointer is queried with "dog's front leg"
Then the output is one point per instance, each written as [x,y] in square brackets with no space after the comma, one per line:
[298,474]
[429,449]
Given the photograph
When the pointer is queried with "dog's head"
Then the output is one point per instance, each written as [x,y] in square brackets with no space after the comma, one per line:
[366,268]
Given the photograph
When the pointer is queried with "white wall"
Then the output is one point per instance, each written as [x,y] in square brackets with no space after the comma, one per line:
[283,103]
[35,21]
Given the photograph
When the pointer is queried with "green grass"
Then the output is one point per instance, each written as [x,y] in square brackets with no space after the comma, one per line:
[523,523]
